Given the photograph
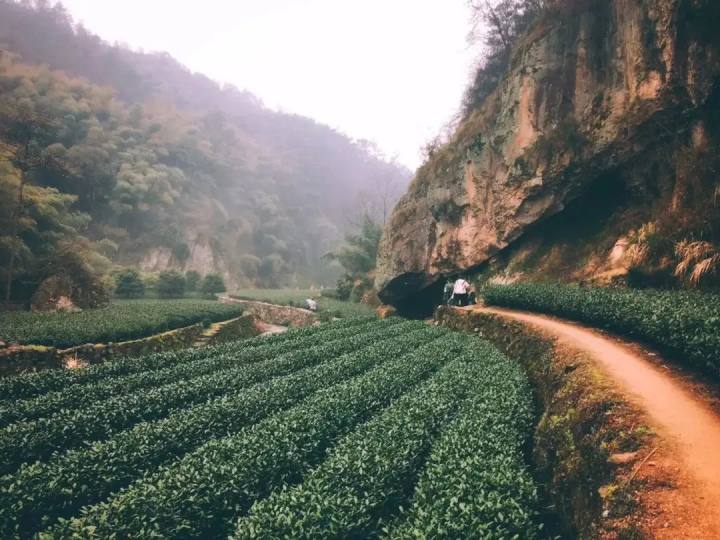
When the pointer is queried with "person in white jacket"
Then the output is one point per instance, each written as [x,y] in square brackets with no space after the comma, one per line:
[461,292]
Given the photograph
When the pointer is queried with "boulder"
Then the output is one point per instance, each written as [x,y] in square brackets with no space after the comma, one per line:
[54,294]
[384,311]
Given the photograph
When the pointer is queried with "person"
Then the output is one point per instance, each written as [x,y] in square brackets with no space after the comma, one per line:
[447,292]
[461,288]
[311,304]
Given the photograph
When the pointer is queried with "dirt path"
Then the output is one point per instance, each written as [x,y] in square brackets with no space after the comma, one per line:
[689,430]
[267,329]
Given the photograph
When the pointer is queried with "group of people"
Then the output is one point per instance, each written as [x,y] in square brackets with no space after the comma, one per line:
[458,293]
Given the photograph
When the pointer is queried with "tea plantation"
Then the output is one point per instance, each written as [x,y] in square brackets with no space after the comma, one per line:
[358,428]
[121,320]
[685,324]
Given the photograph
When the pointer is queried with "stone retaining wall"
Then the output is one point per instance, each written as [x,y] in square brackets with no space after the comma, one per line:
[20,359]
[275,314]
[241,327]
[94,353]
[14,360]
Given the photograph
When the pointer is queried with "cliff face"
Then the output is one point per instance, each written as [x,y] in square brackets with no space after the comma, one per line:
[602,88]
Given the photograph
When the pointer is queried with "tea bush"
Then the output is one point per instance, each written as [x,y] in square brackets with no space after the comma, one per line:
[342,417]
[122,320]
[685,324]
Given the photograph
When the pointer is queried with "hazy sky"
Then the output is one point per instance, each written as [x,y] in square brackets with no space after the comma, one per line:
[392,71]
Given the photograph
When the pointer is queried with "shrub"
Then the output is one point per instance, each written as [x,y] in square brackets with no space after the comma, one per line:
[212,285]
[129,285]
[192,280]
[171,285]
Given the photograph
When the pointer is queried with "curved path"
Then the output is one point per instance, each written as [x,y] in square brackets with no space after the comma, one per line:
[689,427]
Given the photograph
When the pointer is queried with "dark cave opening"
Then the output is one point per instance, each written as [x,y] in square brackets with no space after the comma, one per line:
[422,304]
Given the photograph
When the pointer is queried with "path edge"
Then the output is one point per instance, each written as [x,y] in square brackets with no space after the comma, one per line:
[584,425]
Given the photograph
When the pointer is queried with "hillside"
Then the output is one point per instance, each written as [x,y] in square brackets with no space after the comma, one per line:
[135,160]
[594,158]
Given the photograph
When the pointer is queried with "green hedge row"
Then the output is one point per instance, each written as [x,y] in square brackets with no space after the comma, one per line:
[219,358]
[201,495]
[40,493]
[33,384]
[365,479]
[25,442]
[685,324]
[120,321]
[476,483]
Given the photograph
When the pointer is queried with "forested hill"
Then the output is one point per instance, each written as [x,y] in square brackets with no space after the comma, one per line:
[131,157]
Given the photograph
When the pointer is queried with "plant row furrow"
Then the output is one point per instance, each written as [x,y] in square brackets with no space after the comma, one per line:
[37,439]
[368,476]
[201,495]
[34,384]
[78,396]
[40,493]
[476,483]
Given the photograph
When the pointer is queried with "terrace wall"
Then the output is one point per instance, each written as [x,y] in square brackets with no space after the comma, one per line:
[275,314]
[24,358]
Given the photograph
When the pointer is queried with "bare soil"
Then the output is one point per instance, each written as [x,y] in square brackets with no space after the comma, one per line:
[680,476]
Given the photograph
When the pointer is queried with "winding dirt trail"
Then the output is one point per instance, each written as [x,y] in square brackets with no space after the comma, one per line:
[688,428]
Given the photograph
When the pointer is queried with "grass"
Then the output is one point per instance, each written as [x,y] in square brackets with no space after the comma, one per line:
[121,320]
[296,297]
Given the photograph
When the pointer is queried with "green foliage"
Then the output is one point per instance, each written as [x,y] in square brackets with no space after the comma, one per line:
[212,285]
[359,254]
[684,324]
[29,385]
[475,482]
[119,445]
[365,478]
[192,280]
[98,420]
[170,284]
[344,287]
[128,284]
[282,381]
[223,477]
[143,151]
[120,321]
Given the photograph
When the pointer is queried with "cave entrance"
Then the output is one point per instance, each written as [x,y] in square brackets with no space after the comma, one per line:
[422,304]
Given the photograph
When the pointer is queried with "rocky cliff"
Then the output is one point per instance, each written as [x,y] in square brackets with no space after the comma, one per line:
[602,104]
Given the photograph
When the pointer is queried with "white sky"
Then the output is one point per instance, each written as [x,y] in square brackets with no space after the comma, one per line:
[391,71]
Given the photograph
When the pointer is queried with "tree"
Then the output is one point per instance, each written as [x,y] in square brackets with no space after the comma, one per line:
[378,200]
[23,130]
[192,280]
[498,24]
[171,284]
[128,284]
[359,253]
[212,285]
[358,256]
